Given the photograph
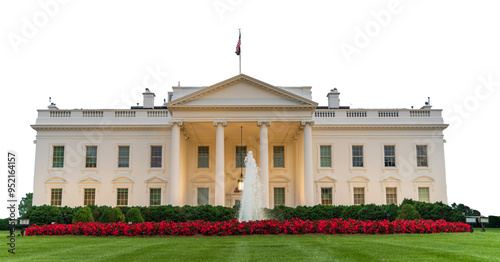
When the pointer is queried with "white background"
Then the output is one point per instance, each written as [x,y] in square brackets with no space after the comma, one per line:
[95,54]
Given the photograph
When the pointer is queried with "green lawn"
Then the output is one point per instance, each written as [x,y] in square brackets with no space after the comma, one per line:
[477,246]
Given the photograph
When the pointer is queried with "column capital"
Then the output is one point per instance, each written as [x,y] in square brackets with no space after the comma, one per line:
[220,122]
[264,122]
[176,122]
[306,122]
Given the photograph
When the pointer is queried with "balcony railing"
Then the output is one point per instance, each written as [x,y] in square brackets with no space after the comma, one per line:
[378,116]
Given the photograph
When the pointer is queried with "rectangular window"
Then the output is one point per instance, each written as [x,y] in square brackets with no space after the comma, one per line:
[423,194]
[58,157]
[279,196]
[279,156]
[389,156]
[122,197]
[155,196]
[202,196]
[56,197]
[325,153]
[91,157]
[241,153]
[422,155]
[326,196]
[156,156]
[203,155]
[89,197]
[123,156]
[359,195]
[391,195]
[357,156]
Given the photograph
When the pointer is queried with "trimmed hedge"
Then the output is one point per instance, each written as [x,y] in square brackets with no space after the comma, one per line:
[43,215]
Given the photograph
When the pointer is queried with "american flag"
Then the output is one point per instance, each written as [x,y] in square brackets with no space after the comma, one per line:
[238,46]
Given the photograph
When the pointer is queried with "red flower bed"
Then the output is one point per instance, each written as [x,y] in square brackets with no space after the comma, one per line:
[263,227]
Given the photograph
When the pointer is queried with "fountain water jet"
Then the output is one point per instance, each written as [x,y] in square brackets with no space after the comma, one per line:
[251,203]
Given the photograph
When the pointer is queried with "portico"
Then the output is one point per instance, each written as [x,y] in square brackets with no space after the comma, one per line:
[281,128]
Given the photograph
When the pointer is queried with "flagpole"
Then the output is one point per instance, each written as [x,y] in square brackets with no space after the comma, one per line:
[240,52]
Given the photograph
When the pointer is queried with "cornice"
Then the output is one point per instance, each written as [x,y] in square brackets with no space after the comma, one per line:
[242,108]
[100,127]
[369,126]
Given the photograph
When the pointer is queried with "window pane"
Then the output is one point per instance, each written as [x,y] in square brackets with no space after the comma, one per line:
[422,155]
[325,156]
[58,157]
[326,196]
[359,195]
[357,156]
[279,156]
[56,197]
[279,196]
[155,196]
[241,153]
[89,197]
[156,156]
[423,194]
[203,156]
[390,156]
[202,196]
[122,197]
[91,156]
[391,195]
[123,156]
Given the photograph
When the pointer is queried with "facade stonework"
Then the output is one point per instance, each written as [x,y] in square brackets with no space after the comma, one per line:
[189,151]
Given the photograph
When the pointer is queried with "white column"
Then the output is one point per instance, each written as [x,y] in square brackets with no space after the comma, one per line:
[308,163]
[175,175]
[219,163]
[264,162]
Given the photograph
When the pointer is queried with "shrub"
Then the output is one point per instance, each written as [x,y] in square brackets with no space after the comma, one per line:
[494,221]
[134,215]
[44,215]
[391,211]
[351,212]
[4,224]
[408,212]
[105,211]
[371,212]
[115,215]
[84,214]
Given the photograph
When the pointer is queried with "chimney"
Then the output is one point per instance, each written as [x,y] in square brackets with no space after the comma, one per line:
[149,99]
[333,98]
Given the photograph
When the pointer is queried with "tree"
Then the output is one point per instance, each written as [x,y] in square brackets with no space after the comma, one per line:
[465,210]
[25,204]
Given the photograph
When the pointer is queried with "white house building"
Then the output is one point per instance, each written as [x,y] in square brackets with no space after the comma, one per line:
[189,151]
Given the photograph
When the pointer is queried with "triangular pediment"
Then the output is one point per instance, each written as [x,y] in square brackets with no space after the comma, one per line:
[325,179]
[89,179]
[155,179]
[241,91]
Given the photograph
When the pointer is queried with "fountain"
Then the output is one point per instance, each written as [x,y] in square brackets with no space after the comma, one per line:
[251,204]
